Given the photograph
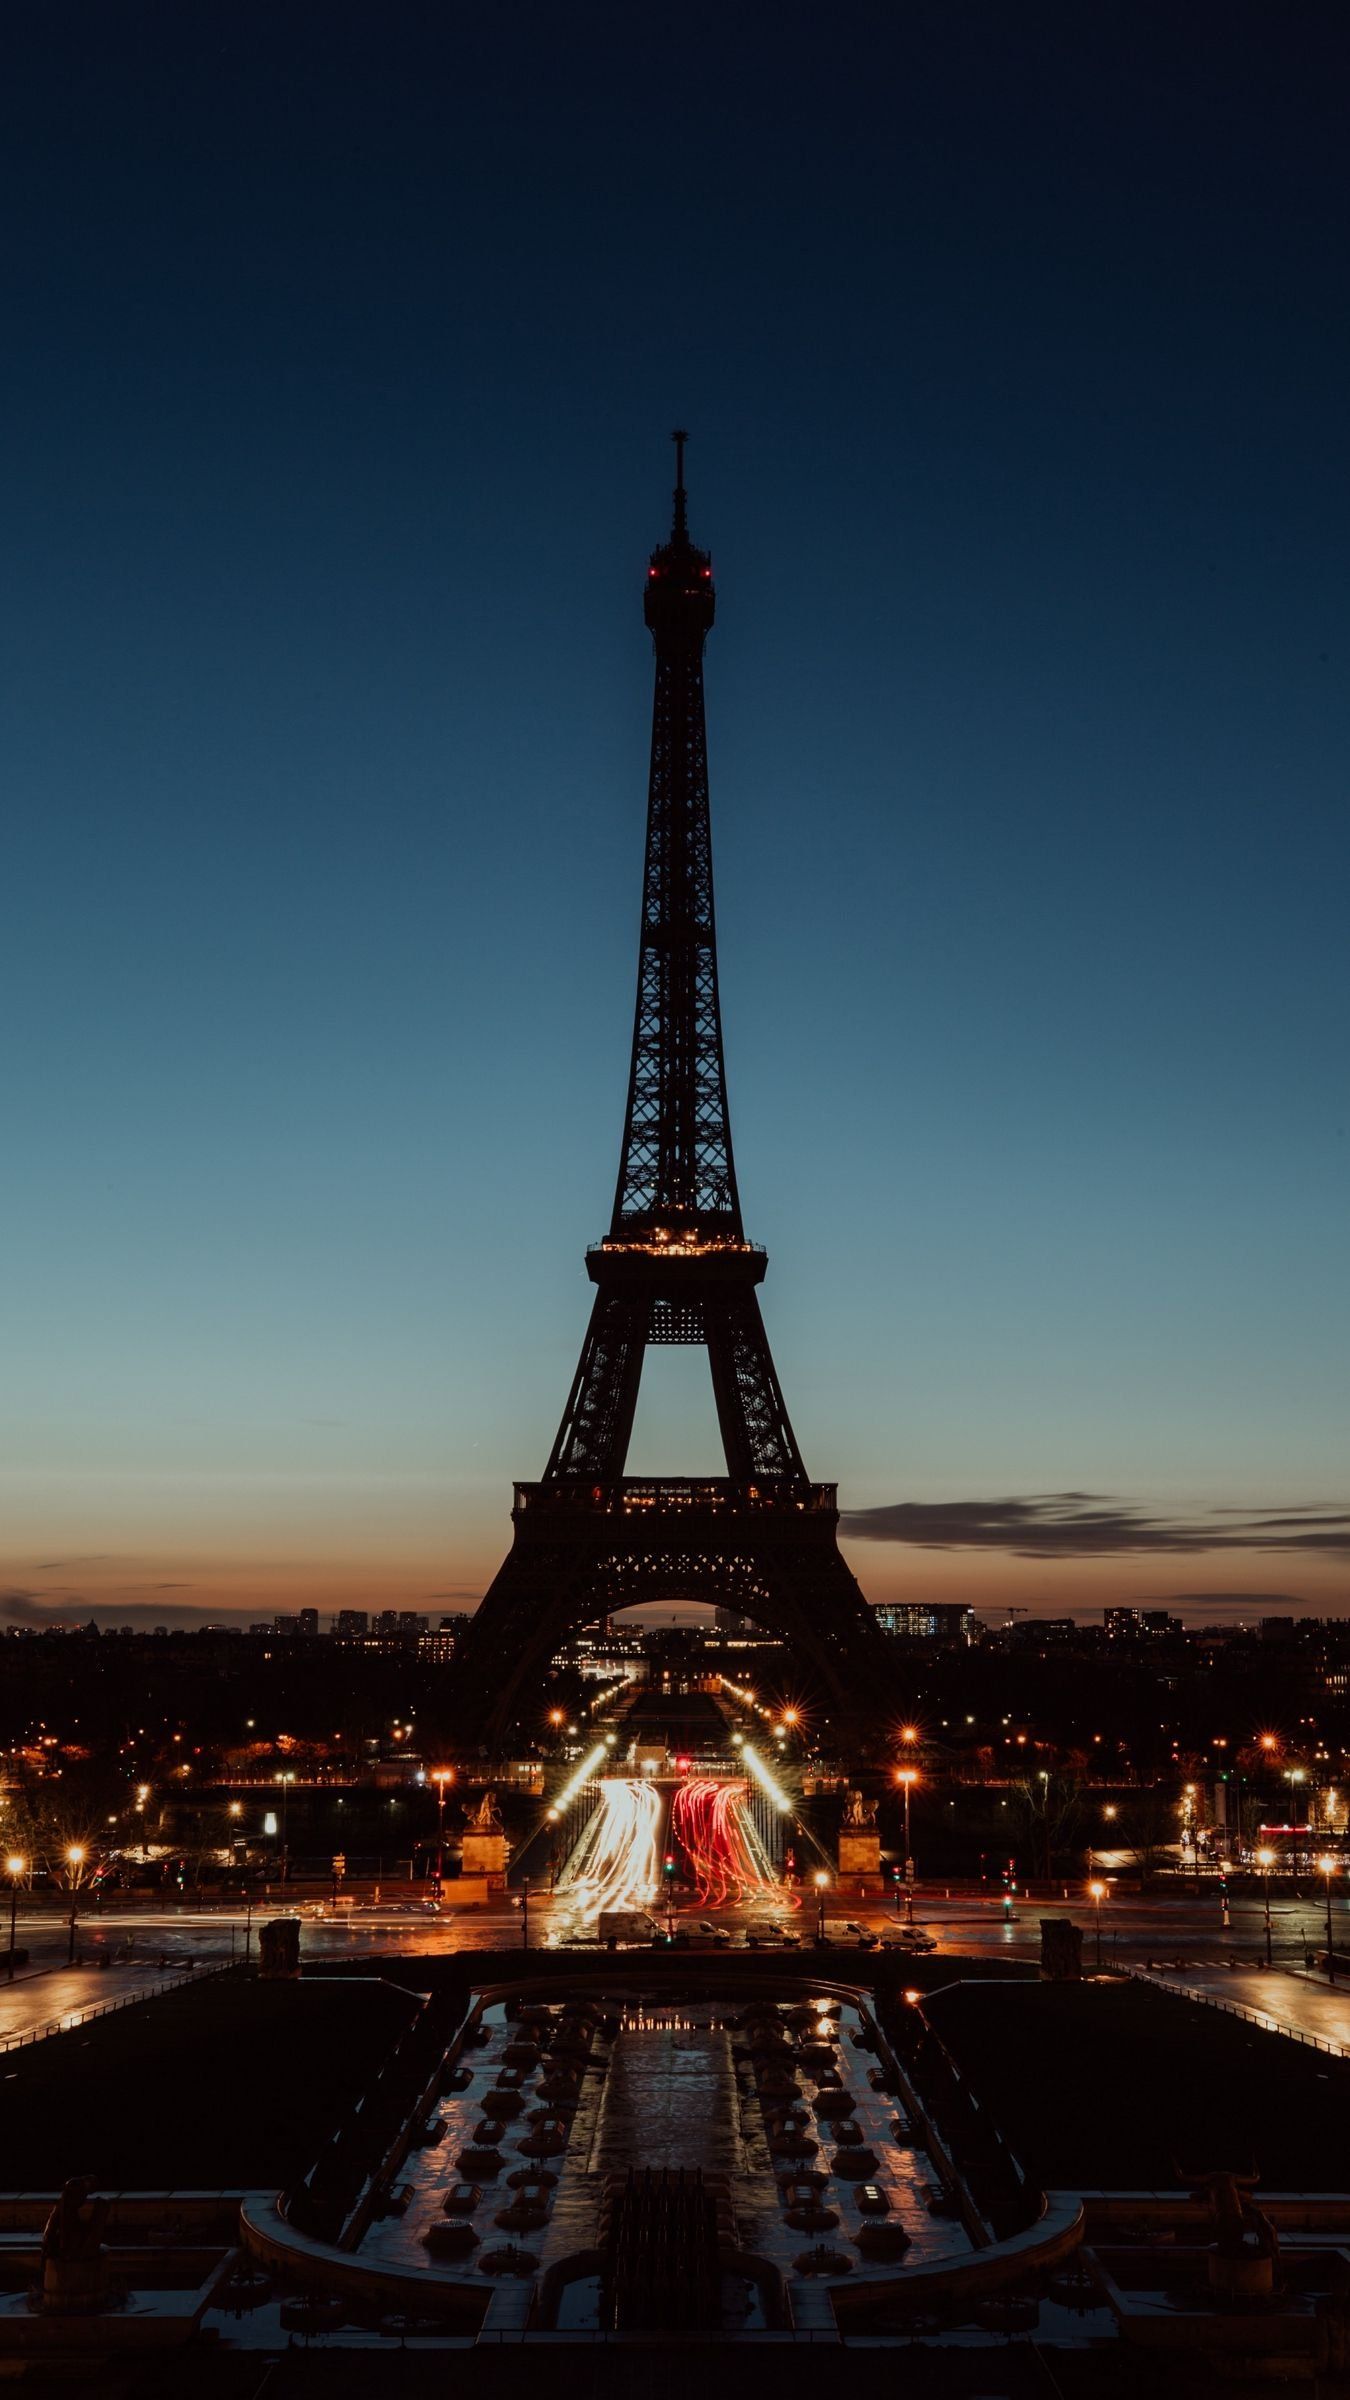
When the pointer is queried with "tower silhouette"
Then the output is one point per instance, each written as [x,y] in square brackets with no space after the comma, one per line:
[675,1267]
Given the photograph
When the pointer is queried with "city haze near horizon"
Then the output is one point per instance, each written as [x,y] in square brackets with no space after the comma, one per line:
[1024,479]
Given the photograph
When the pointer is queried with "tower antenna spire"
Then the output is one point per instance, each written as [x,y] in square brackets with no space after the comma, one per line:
[681,530]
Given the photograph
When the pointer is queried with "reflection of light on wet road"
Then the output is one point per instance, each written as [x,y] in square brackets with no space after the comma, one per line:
[719,1838]
[614,1863]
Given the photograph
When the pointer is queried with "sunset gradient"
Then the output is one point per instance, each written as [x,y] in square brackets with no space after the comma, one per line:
[1017,409]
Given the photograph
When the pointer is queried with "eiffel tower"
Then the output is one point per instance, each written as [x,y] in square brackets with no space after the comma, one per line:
[675,1267]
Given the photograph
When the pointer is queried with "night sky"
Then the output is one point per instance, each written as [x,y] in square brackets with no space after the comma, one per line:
[341,349]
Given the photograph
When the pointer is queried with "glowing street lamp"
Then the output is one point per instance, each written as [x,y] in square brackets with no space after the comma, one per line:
[74,1860]
[15,1868]
[285,1779]
[440,1776]
[1265,1860]
[1097,1893]
[1326,1868]
[907,1777]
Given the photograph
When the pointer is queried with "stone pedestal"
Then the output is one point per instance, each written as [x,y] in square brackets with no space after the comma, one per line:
[859,1853]
[279,1949]
[76,2287]
[1248,2276]
[1061,1950]
[485,1854]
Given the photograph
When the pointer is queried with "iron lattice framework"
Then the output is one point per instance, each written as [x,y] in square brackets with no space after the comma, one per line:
[675,1267]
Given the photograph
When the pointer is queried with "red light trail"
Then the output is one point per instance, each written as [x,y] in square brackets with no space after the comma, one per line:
[717,1834]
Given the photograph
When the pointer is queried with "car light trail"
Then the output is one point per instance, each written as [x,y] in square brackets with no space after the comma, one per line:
[614,1864]
[583,1775]
[719,1838]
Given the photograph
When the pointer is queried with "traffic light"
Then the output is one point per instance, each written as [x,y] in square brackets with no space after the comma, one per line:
[669,1868]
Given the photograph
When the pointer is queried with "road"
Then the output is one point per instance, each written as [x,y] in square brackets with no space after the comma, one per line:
[1168,1923]
[51,2001]
[1287,2002]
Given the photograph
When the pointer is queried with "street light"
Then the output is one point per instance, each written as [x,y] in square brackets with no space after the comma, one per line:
[1097,1893]
[14,1868]
[285,1780]
[1327,1868]
[74,1860]
[1265,1860]
[908,1777]
[822,1880]
[440,1776]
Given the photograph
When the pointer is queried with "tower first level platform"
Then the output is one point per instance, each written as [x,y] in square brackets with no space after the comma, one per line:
[768,1550]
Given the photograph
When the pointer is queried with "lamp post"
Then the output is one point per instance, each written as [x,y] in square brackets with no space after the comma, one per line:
[907,1777]
[1097,1893]
[822,1879]
[14,1868]
[1265,1860]
[74,1860]
[525,1912]
[440,1777]
[1327,1868]
[1294,1776]
[285,1780]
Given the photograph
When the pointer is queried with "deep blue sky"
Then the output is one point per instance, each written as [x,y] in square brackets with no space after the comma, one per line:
[341,348]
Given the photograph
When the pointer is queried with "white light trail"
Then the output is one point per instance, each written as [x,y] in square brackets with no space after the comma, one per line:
[614,1864]
[765,1780]
[583,1775]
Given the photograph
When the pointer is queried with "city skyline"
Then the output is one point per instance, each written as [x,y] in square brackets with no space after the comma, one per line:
[1029,825]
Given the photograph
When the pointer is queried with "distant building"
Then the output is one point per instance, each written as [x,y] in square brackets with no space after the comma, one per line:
[927,1621]
[1048,1633]
[307,1621]
[1139,1624]
[437,1646]
[351,1624]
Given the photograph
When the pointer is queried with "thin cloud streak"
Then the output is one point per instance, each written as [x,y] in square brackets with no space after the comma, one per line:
[1047,1525]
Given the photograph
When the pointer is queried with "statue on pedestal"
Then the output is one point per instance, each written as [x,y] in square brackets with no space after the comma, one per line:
[1246,2246]
[487,1817]
[859,1840]
[75,2277]
[484,1848]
